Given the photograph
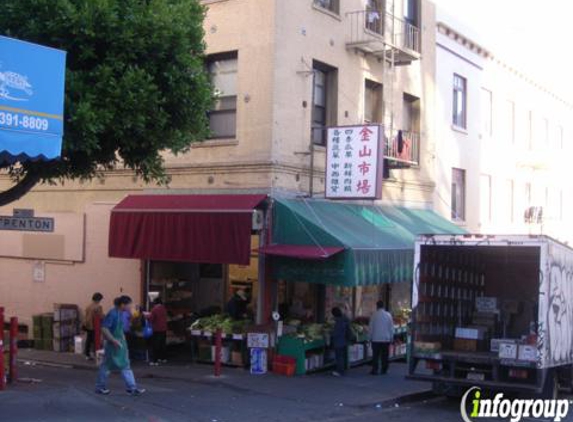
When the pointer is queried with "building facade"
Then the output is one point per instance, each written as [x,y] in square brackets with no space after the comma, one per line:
[502,142]
[283,72]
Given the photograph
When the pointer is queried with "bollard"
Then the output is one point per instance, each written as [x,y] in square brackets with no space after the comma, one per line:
[218,348]
[97,334]
[2,368]
[13,369]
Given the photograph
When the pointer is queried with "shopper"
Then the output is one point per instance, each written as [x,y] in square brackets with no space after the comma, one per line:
[237,305]
[93,311]
[116,353]
[340,336]
[158,319]
[381,335]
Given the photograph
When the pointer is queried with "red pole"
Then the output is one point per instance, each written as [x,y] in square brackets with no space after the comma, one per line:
[97,333]
[13,369]
[2,369]
[218,347]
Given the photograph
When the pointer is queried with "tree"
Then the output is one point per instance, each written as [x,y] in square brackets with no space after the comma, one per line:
[136,84]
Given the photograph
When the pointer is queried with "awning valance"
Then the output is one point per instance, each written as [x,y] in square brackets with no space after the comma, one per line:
[301,251]
[189,228]
[378,241]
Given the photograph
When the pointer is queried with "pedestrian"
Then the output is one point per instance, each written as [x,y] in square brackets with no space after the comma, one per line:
[126,321]
[237,305]
[340,337]
[116,356]
[381,335]
[93,311]
[158,319]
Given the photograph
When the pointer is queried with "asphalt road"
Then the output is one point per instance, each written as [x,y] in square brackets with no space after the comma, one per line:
[66,395]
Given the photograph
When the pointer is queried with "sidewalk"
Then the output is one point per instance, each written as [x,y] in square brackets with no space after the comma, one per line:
[358,388]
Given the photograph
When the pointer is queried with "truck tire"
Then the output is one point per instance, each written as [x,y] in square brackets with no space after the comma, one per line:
[551,386]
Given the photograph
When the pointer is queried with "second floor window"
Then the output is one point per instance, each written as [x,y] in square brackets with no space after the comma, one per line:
[372,102]
[324,98]
[332,5]
[223,116]
[458,194]
[459,115]
[411,113]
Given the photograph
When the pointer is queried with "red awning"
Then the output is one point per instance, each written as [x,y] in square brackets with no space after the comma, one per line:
[191,228]
[301,251]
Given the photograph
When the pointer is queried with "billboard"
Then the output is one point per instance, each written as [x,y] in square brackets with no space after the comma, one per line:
[32,81]
[354,162]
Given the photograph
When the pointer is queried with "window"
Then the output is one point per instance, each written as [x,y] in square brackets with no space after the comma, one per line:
[510,121]
[324,108]
[485,198]
[529,129]
[411,113]
[510,195]
[459,117]
[487,112]
[332,5]
[412,12]
[560,140]
[373,97]
[223,117]
[546,131]
[528,192]
[375,16]
[458,194]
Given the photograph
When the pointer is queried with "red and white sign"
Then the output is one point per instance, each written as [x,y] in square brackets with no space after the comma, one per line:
[353,162]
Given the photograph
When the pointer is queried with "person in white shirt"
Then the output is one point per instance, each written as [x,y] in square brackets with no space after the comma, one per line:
[381,335]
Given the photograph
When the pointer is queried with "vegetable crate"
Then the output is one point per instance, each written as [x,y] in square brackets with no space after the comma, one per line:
[284,365]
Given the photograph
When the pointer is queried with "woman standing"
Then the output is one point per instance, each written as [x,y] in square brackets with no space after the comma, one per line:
[158,319]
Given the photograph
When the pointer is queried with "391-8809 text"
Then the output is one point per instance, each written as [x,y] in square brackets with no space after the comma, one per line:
[23,121]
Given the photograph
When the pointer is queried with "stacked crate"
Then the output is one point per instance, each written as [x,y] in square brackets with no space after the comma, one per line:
[43,335]
[66,326]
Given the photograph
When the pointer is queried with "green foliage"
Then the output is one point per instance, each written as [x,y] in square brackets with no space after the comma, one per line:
[135,81]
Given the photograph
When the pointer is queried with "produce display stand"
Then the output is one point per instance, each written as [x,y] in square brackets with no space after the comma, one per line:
[300,350]
[235,352]
[398,349]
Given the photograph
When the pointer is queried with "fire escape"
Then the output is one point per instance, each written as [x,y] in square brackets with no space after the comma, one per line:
[395,42]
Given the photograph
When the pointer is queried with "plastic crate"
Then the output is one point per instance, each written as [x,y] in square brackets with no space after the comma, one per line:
[284,365]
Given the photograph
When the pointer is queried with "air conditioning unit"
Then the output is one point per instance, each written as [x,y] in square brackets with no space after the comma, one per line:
[258,220]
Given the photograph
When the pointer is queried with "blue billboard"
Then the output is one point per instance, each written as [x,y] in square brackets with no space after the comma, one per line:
[32,79]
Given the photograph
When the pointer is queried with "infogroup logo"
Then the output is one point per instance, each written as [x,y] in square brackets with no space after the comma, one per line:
[513,409]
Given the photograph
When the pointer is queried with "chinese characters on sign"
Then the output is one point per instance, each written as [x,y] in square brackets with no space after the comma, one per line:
[353,165]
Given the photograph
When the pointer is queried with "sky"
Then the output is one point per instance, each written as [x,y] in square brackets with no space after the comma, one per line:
[533,36]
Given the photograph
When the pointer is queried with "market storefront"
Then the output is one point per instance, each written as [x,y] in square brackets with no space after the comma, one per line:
[325,254]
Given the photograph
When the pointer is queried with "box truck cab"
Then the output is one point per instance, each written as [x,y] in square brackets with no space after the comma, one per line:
[494,312]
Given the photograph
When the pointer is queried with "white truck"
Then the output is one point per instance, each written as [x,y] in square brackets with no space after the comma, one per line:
[492,311]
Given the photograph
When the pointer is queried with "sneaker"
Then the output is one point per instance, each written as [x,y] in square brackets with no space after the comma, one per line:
[102,391]
[336,374]
[162,360]
[136,392]
[153,364]
[89,358]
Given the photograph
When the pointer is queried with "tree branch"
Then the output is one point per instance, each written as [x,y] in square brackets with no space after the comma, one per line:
[20,189]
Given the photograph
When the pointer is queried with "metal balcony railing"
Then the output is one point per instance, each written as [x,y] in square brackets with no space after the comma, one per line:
[403,147]
[374,31]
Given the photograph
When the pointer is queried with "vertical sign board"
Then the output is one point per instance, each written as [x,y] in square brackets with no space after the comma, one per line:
[32,79]
[354,162]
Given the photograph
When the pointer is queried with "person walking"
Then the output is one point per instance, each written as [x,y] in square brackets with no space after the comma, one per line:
[381,335]
[116,356]
[93,311]
[158,319]
[340,336]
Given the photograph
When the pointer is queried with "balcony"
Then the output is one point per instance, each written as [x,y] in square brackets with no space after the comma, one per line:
[383,35]
[402,149]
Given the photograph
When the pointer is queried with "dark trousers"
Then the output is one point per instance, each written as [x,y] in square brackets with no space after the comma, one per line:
[90,342]
[340,356]
[158,346]
[380,356]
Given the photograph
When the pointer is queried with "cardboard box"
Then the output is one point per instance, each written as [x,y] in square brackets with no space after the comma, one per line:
[507,350]
[465,345]
[471,333]
[486,304]
[237,358]
[427,347]
[527,353]
[495,342]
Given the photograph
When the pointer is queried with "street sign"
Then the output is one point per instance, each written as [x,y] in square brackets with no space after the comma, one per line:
[258,340]
[32,81]
[28,224]
[354,162]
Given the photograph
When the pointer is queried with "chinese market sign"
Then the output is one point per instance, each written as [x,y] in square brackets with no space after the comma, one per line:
[31,101]
[353,163]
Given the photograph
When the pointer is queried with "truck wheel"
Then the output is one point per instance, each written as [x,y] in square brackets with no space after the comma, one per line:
[551,386]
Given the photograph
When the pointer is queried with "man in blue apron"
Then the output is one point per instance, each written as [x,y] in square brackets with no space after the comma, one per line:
[116,352]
